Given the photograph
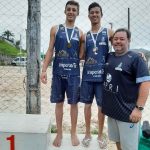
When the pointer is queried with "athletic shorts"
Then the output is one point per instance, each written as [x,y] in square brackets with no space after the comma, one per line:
[61,85]
[89,90]
[128,134]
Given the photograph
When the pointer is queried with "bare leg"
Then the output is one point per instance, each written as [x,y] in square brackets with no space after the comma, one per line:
[101,118]
[102,141]
[87,115]
[118,145]
[59,116]
[74,116]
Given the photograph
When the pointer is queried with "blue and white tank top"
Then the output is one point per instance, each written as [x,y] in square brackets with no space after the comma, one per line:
[66,61]
[95,58]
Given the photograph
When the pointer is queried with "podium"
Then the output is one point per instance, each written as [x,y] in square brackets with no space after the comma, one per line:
[24,132]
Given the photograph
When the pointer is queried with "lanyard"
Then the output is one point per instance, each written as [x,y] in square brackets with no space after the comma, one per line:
[68,40]
[95,39]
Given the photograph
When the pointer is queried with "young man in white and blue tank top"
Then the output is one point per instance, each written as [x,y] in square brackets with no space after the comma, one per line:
[95,48]
[65,41]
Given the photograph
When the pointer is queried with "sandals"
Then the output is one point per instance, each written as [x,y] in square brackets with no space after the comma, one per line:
[86,142]
[102,143]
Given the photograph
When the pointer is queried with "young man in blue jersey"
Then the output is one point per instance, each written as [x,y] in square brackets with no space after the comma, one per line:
[65,41]
[126,88]
[95,48]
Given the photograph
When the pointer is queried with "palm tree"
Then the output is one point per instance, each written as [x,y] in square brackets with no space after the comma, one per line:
[8,34]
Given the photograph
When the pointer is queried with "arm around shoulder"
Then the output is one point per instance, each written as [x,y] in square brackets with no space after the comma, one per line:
[110,33]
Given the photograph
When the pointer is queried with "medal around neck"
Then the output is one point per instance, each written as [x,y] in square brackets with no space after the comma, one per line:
[67,36]
[95,49]
[69,45]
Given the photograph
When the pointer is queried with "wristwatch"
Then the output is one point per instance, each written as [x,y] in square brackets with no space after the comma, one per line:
[139,107]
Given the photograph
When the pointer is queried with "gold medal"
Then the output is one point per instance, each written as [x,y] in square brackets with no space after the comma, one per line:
[69,45]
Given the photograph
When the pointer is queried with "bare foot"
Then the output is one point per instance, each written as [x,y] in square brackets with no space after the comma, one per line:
[74,140]
[57,141]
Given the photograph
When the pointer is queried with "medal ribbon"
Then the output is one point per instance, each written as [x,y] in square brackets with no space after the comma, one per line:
[95,39]
[68,40]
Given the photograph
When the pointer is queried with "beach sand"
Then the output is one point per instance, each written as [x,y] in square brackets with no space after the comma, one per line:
[13,99]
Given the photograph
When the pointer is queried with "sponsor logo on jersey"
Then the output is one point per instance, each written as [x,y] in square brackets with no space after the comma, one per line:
[119,67]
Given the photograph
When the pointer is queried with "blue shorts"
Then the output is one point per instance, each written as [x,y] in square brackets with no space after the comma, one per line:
[89,90]
[65,84]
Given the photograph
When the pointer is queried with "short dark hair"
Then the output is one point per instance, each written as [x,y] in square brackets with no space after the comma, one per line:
[94,4]
[72,2]
[124,30]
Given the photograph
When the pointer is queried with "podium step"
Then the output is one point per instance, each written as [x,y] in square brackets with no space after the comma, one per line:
[24,132]
[66,143]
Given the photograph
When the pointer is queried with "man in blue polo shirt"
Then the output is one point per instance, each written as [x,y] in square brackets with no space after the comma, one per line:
[126,88]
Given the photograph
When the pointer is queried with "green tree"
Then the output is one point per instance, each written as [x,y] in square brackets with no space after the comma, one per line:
[7,34]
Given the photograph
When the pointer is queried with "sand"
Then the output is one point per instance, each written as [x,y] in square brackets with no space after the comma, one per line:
[13,99]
